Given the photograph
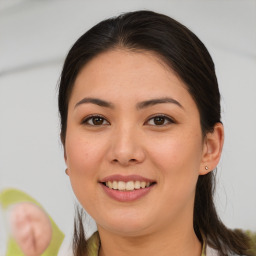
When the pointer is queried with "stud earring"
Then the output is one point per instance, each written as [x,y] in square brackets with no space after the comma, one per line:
[206,167]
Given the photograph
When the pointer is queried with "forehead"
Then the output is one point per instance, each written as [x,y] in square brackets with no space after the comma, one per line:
[122,73]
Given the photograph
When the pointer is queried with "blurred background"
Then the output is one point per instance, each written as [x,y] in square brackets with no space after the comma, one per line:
[35,37]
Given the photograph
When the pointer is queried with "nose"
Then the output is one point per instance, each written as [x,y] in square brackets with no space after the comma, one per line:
[126,147]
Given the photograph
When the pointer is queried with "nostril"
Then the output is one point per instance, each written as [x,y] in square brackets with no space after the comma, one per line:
[131,160]
[125,162]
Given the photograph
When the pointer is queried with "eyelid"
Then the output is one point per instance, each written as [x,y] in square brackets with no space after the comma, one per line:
[168,118]
[87,118]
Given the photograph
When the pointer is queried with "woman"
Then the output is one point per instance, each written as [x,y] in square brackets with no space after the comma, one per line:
[142,133]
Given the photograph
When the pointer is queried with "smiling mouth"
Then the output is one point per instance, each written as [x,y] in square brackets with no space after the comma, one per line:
[127,186]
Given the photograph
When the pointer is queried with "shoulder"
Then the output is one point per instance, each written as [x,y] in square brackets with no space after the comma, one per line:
[212,252]
[252,237]
[93,244]
[252,251]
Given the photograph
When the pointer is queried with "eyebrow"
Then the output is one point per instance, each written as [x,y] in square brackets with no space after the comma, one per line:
[140,105]
[99,102]
[153,102]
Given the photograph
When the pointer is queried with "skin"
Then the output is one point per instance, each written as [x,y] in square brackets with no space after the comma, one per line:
[130,141]
[31,228]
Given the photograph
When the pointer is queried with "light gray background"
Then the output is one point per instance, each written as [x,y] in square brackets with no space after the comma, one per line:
[34,39]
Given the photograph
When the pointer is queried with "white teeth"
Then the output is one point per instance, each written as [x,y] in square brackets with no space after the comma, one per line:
[109,184]
[137,184]
[143,184]
[114,184]
[121,185]
[130,185]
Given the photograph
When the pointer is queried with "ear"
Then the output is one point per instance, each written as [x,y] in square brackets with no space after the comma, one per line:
[66,161]
[212,148]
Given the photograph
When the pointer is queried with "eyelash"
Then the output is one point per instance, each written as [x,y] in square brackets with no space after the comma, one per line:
[166,119]
[87,119]
[91,117]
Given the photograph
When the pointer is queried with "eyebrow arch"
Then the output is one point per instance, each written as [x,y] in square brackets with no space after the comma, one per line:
[99,102]
[140,105]
[153,102]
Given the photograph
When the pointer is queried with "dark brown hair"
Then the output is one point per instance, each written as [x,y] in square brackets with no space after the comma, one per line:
[184,53]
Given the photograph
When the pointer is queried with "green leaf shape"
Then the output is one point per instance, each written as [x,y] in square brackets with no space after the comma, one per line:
[9,197]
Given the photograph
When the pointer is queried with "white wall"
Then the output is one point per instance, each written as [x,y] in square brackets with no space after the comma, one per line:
[34,39]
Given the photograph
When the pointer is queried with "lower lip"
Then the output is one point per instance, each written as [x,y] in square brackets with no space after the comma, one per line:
[126,196]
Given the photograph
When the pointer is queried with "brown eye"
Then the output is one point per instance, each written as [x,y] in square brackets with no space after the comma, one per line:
[95,121]
[160,121]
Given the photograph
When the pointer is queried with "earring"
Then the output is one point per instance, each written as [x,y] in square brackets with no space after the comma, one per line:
[206,167]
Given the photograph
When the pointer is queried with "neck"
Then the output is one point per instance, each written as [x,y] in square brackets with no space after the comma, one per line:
[183,243]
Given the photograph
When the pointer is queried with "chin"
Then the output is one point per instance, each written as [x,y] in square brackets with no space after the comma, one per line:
[127,231]
[125,225]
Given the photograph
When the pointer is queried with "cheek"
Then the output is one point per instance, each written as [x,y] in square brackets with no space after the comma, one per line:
[82,154]
[177,159]
[84,157]
[176,151]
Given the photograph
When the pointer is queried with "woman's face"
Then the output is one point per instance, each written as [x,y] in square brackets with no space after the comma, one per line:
[134,146]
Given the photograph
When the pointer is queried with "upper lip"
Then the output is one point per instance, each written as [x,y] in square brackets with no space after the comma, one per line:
[126,178]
